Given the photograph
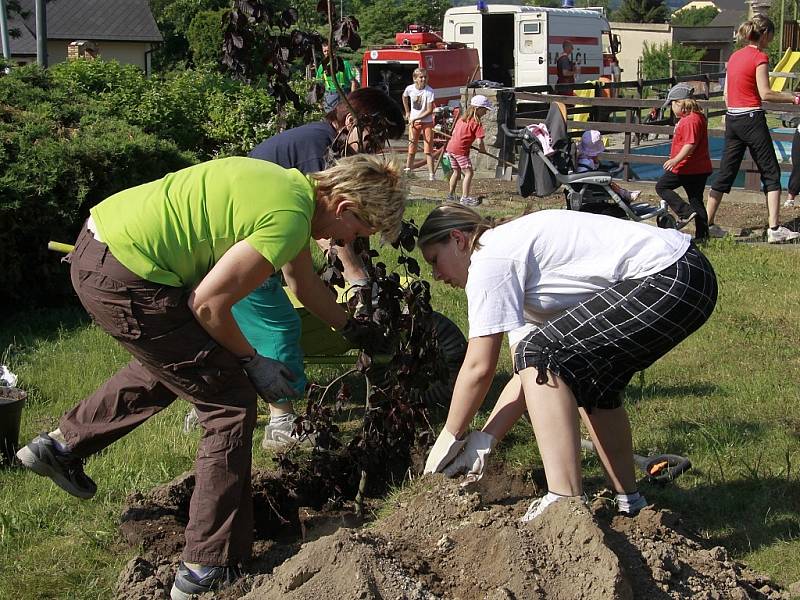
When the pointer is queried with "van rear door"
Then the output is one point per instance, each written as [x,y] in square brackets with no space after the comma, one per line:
[465,28]
[531,34]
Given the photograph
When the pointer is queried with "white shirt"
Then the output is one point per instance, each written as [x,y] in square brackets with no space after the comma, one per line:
[420,100]
[533,268]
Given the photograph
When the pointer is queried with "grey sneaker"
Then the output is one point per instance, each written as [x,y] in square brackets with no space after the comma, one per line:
[470,201]
[681,223]
[280,436]
[188,583]
[715,231]
[452,198]
[781,235]
[43,457]
[632,510]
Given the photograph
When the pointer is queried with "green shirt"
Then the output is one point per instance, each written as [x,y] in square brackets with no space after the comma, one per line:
[175,229]
[345,78]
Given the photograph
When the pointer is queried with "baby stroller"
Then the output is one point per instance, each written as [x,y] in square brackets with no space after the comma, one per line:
[589,191]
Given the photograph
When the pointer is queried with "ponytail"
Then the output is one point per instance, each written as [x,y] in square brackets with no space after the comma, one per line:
[756,28]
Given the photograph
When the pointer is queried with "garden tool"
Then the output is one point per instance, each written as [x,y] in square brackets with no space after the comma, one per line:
[659,468]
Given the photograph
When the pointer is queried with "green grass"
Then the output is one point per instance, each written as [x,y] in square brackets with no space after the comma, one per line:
[727,398]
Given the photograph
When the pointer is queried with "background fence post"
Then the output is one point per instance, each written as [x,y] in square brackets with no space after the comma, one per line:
[506,114]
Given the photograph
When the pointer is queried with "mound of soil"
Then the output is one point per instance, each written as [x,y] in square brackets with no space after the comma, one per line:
[445,541]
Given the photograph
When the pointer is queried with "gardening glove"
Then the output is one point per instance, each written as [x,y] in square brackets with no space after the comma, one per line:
[472,459]
[271,378]
[367,335]
[444,450]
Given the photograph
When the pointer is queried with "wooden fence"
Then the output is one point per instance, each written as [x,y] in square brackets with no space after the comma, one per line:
[523,106]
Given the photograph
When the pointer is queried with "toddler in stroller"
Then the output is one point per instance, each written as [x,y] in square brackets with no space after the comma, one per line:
[594,191]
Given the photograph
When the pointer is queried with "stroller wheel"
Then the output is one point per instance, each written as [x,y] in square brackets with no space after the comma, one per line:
[666,221]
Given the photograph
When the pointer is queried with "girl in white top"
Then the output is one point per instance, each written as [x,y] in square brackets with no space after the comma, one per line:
[587,300]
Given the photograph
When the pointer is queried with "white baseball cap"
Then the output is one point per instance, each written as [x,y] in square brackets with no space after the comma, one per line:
[480,101]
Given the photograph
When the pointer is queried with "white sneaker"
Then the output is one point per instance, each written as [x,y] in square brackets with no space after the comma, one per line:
[431,176]
[631,509]
[781,235]
[715,231]
[790,203]
[537,506]
[280,436]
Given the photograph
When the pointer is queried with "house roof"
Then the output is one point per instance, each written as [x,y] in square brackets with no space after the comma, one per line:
[732,13]
[111,20]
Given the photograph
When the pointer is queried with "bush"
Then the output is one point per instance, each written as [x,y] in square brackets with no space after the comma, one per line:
[205,37]
[54,165]
[656,60]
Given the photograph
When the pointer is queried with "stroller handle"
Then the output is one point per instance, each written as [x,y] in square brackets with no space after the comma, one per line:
[513,133]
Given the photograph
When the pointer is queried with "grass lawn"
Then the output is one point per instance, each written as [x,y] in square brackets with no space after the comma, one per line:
[727,398]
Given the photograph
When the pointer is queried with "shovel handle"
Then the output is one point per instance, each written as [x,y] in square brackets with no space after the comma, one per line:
[60,247]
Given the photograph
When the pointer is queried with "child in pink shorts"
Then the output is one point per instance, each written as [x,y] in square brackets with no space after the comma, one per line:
[466,130]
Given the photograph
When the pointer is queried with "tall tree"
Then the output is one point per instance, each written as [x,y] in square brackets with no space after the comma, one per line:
[694,17]
[642,11]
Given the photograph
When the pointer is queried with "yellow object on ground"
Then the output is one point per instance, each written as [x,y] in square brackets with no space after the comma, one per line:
[583,94]
[787,64]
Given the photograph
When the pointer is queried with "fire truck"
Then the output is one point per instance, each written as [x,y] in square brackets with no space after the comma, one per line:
[450,65]
[519,45]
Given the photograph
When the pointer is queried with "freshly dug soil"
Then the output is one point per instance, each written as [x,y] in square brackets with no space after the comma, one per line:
[443,541]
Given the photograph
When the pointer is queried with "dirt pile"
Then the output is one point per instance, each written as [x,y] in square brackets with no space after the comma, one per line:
[447,542]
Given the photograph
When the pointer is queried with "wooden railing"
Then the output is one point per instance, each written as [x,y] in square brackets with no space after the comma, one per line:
[524,106]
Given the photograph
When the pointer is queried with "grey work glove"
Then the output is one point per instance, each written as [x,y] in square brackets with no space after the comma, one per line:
[271,378]
[472,458]
[444,450]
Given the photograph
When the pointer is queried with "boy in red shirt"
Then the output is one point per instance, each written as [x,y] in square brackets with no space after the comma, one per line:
[466,130]
[689,164]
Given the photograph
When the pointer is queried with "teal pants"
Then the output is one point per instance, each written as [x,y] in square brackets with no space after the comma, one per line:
[271,324]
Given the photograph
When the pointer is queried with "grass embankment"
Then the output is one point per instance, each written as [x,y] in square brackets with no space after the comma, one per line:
[727,398]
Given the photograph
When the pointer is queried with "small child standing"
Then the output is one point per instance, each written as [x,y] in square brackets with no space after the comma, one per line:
[418,104]
[689,164]
[589,149]
[466,130]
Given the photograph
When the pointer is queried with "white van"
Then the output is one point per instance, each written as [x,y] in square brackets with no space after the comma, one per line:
[518,45]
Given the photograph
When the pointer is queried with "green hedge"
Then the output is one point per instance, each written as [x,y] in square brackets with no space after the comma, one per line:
[81,131]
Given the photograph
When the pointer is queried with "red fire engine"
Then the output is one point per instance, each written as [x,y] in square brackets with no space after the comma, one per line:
[450,65]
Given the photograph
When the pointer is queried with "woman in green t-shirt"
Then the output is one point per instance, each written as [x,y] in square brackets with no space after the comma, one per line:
[159,267]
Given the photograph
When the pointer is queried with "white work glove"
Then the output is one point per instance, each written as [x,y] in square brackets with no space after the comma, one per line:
[271,378]
[472,459]
[443,451]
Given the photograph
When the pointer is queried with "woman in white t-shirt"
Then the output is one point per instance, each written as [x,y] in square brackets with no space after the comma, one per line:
[587,301]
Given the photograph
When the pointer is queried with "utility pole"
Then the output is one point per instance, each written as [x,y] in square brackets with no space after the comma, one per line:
[41,34]
[4,30]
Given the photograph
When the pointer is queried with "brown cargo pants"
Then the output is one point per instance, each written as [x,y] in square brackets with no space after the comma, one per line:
[172,356]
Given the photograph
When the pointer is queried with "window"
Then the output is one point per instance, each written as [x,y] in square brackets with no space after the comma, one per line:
[531,27]
[466,30]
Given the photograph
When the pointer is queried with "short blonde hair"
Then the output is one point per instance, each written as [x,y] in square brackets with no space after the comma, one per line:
[374,184]
[419,71]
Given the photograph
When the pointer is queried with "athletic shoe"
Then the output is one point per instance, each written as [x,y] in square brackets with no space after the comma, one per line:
[681,223]
[280,436]
[451,198]
[781,235]
[715,231]
[632,510]
[470,201]
[790,203]
[431,176]
[43,457]
[189,583]
[537,506]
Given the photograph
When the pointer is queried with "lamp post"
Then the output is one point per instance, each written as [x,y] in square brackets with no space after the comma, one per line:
[4,30]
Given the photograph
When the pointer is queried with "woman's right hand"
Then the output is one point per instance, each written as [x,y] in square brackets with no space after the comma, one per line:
[271,378]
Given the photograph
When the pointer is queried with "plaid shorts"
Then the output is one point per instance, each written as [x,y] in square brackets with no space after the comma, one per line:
[457,161]
[597,346]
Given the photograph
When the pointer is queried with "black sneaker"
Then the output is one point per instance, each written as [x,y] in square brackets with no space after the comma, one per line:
[188,583]
[43,457]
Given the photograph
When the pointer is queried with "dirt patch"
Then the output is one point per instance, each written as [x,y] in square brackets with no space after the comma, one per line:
[443,541]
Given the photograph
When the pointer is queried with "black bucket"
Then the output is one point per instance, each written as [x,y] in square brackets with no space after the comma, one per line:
[11,402]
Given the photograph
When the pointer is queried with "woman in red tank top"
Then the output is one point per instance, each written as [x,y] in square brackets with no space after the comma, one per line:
[746,86]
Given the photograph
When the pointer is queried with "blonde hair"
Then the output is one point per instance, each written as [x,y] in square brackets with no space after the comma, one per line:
[688,105]
[374,184]
[419,71]
[754,29]
[451,217]
[471,113]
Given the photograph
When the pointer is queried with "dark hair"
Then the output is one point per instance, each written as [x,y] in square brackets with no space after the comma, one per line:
[566,43]
[374,109]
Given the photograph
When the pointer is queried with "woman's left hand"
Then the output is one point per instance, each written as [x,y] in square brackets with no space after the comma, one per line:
[443,452]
